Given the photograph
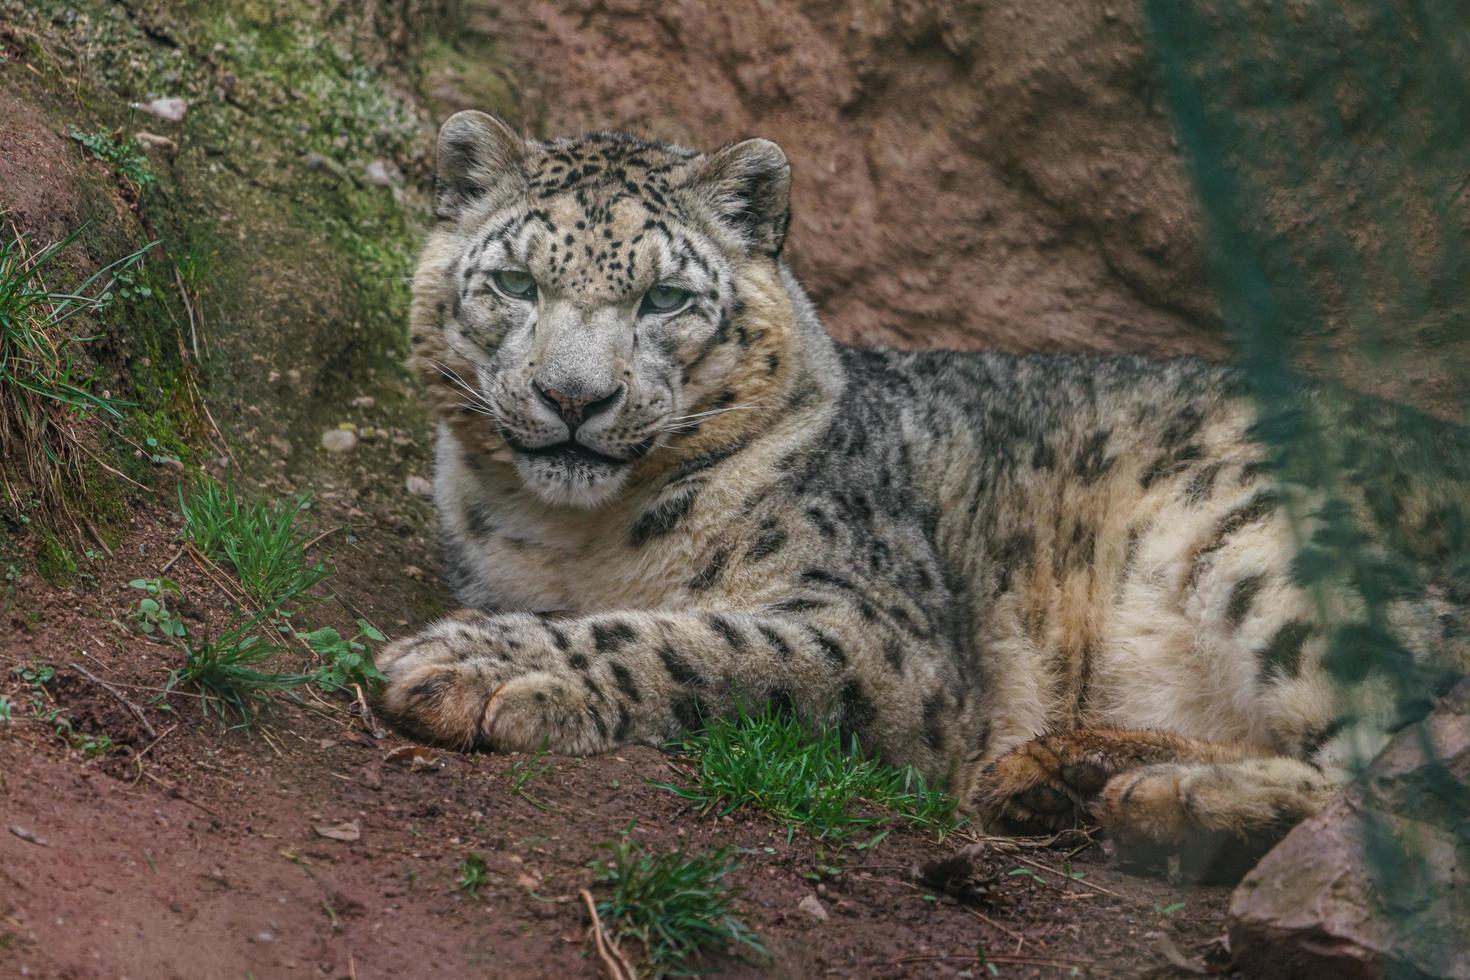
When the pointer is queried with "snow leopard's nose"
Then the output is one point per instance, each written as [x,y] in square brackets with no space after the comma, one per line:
[576,407]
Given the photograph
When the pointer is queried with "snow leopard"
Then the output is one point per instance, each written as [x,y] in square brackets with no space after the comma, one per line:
[1062,586]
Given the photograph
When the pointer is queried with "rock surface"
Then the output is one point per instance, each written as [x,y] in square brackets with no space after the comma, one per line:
[972,174]
[1378,884]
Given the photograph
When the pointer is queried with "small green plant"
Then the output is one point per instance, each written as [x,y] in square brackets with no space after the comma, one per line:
[123,155]
[824,866]
[35,676]
[226,668]
[153,614]
[1169,909]
[522,771]
[347,662]
[806,778]
[263,542]
[156,455]
[1019,872]
[675,905]
[472,874]
[89,745]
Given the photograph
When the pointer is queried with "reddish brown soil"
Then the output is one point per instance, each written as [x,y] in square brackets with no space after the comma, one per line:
[195,853]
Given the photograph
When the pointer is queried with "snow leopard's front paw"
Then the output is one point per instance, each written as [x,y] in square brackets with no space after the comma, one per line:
[478,681]
[1040,787]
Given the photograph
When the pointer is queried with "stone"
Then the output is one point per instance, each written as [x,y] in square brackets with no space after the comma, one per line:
[418,486]
[339,440]
[346,831]
[1320,903]
[813,907]
[152,141]
[381,173]
[169,109]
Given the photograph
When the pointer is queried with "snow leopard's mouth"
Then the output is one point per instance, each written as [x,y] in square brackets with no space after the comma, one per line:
[571,453]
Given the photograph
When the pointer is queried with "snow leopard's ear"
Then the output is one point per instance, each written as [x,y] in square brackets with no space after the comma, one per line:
[746,186]
[478,154]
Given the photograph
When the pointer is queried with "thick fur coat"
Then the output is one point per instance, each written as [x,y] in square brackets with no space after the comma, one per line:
[1062,585]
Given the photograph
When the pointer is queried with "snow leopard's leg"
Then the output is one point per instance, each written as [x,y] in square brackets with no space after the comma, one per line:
[587,684]
[1053,781]
[1218,806]
[1217,818]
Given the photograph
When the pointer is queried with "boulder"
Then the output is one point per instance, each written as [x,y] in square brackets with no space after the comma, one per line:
[1378,883]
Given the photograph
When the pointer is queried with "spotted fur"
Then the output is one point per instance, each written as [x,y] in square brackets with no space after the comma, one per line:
[1063,585]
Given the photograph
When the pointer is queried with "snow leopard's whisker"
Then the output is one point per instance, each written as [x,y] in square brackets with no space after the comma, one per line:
[477,409]
[683,423]
[449,374]
[713,411]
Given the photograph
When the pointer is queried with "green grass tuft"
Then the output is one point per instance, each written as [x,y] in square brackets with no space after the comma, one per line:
[263,542]
[472,874]
[45,383]
[226,669]
[806,778]
[675,905]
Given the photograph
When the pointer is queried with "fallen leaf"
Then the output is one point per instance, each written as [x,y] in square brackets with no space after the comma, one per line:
[407,755]
[348,830]
[1171,952]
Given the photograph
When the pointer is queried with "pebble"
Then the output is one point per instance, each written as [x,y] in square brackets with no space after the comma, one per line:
[264,936]
[152,141]
[339,440]
[379,172]
[418,486]
[813,907]
[170,108]
[348,831]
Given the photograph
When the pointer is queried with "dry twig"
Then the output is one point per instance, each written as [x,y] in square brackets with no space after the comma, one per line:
[613,960]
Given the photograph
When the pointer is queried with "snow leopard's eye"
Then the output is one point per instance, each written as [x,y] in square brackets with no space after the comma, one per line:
[515,283]
[664,299]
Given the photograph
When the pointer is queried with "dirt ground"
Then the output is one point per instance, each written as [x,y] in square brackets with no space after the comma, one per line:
[190,849]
